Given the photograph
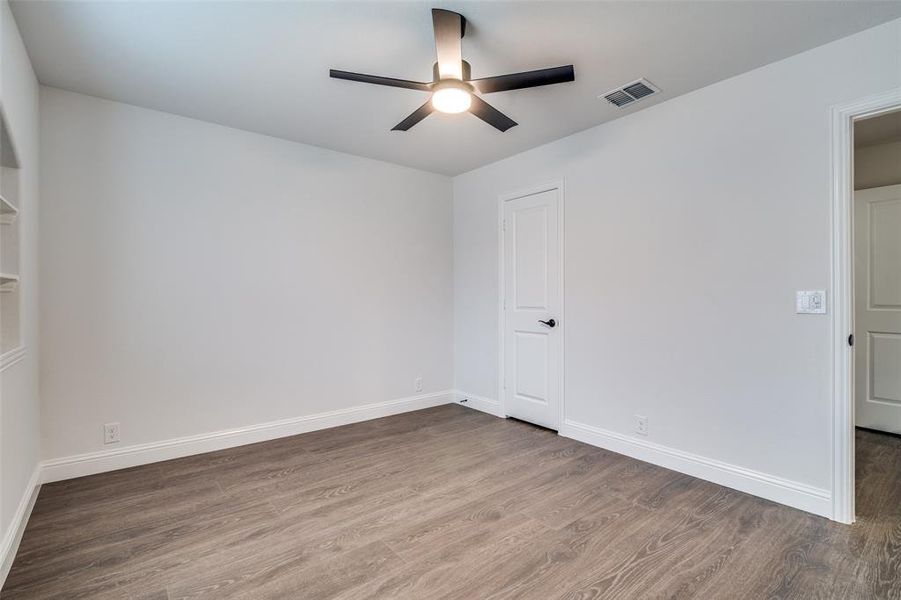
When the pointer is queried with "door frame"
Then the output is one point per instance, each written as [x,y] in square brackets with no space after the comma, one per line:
[842,241]
[502,290]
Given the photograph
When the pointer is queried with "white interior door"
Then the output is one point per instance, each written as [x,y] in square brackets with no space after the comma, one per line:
[877,263]
[532,308]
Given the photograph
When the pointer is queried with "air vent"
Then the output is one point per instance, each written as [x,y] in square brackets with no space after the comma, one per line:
[630,93]
[619,98]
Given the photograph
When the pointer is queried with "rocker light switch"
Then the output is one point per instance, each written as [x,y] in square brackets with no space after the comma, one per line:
[811,302]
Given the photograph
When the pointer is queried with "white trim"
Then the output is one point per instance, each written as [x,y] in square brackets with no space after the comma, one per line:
[131,456]
[501,311]
[843,117]
[777,489]
[482,403]
[11,357]
[10,543]
[501,316]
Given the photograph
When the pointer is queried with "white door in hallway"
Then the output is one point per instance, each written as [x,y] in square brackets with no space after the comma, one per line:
[532,304]
[877,264]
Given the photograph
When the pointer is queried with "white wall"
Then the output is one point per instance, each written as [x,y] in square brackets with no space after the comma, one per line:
[197,278]
[19,402]
[689,227]
[877,166]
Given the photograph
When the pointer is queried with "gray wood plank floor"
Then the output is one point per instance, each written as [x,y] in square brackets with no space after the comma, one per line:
[447,503]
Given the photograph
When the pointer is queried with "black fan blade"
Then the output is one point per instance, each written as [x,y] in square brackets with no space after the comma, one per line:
[518,81]
[490,115]
[448,43]
[418,115]
[362,78]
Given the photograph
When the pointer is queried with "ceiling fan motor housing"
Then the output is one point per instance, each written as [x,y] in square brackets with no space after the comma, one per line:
[467,72]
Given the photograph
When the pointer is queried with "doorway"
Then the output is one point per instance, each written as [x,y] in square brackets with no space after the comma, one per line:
[847,337]
[877,273]
[877,312]
[531,306]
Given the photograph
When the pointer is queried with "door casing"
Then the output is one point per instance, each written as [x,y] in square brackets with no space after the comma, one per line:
[842,313]
[561,327]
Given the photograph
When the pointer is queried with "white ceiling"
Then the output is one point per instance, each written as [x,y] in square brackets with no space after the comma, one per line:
[263,66]
[878,130]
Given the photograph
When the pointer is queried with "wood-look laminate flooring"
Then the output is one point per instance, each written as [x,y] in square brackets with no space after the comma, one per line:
[447,503]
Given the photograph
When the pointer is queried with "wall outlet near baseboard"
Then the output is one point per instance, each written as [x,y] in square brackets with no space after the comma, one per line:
[111,433]
[641,425]
[417,384]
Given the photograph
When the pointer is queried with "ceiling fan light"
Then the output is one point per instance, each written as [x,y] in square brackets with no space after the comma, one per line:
[451,99]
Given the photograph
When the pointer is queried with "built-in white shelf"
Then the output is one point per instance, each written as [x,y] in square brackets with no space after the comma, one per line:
[8,155]
[10,236]
[11,357]
[8,212]
[8,282]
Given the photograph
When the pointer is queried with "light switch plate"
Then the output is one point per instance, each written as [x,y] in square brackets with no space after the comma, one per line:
[811,302]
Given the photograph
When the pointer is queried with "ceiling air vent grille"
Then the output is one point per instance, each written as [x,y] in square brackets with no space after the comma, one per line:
[619,98]
[630,93]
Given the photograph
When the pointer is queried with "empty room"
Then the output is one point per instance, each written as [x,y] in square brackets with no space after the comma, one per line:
[492,299]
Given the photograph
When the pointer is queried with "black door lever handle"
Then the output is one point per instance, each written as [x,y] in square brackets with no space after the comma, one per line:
[550,322]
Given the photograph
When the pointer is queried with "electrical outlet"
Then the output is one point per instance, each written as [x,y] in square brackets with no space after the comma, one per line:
[417,384]
[641,425]
[111,433]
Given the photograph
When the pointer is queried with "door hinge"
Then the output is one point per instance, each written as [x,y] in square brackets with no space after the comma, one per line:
[851,340]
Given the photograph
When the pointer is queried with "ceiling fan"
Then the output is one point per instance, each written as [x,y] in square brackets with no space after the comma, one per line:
[452,89]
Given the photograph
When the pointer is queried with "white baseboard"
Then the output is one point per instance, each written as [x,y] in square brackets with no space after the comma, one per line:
[10,542]
[492,407]
[783,491]
[131,456]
